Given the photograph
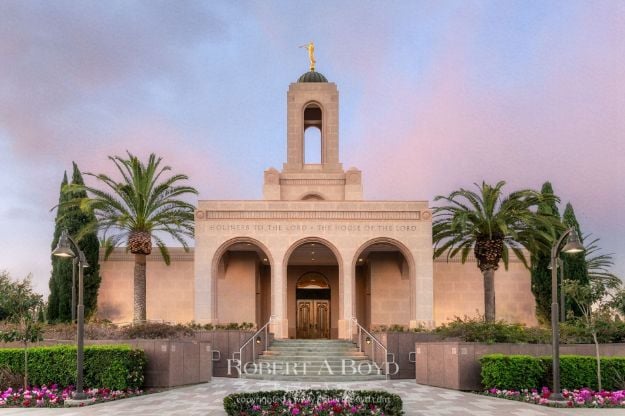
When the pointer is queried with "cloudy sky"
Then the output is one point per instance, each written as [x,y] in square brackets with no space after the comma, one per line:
[435,95]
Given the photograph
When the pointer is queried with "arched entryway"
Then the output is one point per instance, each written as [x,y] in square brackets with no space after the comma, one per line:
[313,276]
[384,284]
[242,287]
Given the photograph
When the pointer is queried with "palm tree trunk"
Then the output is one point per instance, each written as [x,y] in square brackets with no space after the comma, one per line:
[140,291]
[489,295]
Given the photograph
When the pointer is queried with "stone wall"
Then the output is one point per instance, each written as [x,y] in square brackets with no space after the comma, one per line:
[237,288]
[169,288]
[459,291]
[390,290]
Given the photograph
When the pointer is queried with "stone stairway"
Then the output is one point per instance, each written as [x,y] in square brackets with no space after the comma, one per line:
[314,360]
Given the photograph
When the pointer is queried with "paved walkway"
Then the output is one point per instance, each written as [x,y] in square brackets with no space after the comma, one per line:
[206,399]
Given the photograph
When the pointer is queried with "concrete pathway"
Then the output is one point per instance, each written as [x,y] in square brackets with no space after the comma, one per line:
[206,399]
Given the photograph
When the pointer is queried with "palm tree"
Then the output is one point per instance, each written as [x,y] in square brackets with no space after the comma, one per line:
[599,266]
[491,225]
[139,210]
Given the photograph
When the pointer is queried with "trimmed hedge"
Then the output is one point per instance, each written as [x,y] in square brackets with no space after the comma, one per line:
[115,367]
[512,371]
[576,371]
[391,404]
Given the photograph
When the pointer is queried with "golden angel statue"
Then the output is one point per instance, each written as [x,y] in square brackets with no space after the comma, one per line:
[311,54]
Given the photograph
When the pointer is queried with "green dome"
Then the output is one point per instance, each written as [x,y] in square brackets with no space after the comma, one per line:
[312,76]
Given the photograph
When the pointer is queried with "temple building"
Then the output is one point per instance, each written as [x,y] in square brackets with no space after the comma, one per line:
[313,254]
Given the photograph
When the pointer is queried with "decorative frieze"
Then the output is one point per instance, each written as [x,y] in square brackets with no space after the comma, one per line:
[312,181]
[312,215]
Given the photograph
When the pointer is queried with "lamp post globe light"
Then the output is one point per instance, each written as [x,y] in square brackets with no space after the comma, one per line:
[68,248]
[572,246]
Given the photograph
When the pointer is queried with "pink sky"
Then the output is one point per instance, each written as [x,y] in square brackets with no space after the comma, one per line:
[434,96]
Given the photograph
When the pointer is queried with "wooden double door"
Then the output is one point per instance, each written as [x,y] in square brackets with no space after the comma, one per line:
[313,318]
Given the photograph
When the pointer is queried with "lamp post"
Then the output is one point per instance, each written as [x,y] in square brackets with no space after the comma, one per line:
[573,245]
[68,248]
[74,263]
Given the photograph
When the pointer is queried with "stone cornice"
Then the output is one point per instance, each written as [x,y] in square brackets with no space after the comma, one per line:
[175,254]
[471,259]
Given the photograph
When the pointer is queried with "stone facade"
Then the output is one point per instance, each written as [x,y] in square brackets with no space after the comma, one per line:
[458,292]
[373,257]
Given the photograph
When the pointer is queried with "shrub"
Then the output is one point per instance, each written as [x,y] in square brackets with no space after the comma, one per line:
[391,404]
[147,330]
[512,371]
[517,372]
[116,367]
[152,330]
[576,331]
[93,330]
[578,371]
[478,330]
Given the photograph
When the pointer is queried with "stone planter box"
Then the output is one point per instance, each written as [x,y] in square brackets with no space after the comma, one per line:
[226,342]
[170,362]
[401,344]
[176,363]
[456,365]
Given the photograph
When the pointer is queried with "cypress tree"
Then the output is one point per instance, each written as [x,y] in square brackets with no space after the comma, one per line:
[575,267]
[89,244]
[541,274]
[60,267]
[73,220]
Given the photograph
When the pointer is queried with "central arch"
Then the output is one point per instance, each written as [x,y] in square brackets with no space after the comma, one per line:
[313,308]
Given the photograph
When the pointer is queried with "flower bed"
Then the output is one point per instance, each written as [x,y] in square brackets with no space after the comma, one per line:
[573,398]
[55,396]
[313,402]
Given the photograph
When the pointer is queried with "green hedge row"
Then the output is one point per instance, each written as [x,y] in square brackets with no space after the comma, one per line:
[391,404]
[512,371]
[115,367]
[526,372]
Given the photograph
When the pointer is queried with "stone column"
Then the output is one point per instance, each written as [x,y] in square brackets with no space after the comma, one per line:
[203,286]
[279,323]
[346,299]
[424,290]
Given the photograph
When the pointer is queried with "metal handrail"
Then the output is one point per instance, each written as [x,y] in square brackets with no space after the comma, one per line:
[361,329]
[264,328]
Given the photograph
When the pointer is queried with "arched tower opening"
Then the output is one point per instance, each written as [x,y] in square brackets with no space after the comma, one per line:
[313,136]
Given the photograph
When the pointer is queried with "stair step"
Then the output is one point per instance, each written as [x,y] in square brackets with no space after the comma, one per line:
[364,369]
[325,361]
[320,378]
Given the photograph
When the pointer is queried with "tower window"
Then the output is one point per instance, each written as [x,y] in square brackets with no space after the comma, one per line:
[312,145]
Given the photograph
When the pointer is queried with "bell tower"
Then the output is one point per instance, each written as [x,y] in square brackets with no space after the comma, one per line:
[313,104]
